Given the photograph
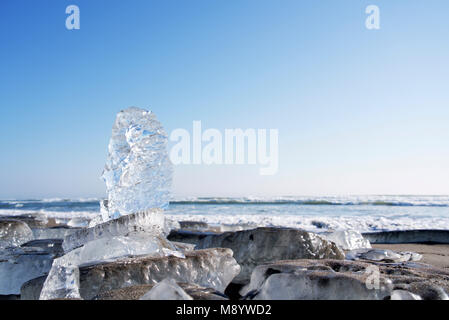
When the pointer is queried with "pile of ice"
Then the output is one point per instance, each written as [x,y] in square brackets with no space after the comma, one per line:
[138,177]
[63,279]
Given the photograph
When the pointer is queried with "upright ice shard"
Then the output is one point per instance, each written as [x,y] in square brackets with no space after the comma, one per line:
[138,171]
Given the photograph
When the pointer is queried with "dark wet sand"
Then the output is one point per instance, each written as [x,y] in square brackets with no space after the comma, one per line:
[434,254]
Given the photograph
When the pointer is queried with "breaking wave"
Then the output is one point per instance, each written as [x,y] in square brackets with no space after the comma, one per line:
[363,213]
[401,201]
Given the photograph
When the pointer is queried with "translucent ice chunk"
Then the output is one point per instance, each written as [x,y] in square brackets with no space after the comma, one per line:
[404,295]
[148,222]
[18,265]
[347,239]
[122,246]
[138,171]
[209,268]
[14,233]
[62,282]
[53,233]
[98,219]
[78,223]
[382,255]
[312,280]
[167,289]
[413,255]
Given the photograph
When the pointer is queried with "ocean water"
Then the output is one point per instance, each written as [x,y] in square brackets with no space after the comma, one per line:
[362,213]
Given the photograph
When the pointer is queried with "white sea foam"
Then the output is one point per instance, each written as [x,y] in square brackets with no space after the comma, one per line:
[361,213]
[64,215]
[311,223]
[308,222]
[82,200]
[376,200]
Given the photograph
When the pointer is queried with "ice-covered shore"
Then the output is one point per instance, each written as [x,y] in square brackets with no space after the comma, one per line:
[131,274]
[133,246]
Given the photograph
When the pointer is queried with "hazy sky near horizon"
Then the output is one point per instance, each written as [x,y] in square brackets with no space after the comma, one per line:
[358,111]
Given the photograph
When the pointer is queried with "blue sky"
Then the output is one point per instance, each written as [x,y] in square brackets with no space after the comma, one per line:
[358,111]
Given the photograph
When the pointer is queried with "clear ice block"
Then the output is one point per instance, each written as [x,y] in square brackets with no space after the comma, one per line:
[138,170]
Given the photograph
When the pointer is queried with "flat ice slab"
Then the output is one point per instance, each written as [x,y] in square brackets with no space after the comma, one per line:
[150,222]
